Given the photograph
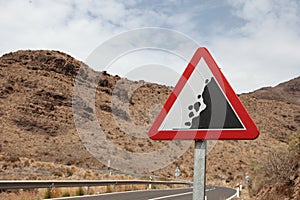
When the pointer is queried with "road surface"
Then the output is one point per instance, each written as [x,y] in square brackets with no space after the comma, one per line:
[212,193]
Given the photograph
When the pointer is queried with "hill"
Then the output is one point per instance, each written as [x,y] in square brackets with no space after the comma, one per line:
[37,119]
[288,91]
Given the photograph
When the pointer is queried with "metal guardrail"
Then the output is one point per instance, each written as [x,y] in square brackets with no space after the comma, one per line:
[31,184]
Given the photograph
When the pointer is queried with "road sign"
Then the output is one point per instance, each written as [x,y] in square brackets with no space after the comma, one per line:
[203,106]
[177,172]
[247,178]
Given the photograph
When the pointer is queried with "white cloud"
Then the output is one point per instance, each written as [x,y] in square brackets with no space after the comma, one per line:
[264,50]
[70,27]
[255,42]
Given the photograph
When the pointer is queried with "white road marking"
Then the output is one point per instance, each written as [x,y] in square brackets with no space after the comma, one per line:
[213,188]
[233,196]
[169,196]
[177,195]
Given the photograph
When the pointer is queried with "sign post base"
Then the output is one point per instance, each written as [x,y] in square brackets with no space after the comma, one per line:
[199,170]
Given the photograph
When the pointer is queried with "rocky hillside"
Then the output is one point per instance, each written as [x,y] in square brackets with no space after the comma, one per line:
[288,91]
[37,118]
[278,176]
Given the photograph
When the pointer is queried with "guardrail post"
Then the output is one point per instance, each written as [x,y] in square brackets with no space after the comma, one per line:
[238,192]
[88,190]
[115,187]
[51,188]
[132,187]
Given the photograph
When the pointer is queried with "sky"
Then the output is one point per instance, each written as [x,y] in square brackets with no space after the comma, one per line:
[256,43]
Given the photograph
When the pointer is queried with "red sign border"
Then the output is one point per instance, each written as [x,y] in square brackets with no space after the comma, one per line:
[249,133]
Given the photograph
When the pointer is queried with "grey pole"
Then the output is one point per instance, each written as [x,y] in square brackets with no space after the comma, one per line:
[199,170]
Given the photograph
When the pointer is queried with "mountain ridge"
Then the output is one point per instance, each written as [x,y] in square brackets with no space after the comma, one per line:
[288,91]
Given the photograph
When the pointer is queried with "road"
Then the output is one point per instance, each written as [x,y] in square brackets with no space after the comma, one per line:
[213,193]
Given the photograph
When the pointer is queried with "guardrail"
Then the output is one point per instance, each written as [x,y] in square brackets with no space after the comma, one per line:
[31,184]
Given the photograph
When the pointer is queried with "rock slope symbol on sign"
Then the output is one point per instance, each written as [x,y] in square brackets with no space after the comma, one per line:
[209,118]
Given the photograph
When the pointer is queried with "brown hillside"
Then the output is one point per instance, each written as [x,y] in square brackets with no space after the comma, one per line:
[37,121]
[288,91]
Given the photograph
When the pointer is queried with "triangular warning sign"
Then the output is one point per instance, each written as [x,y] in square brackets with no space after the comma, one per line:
[203,106]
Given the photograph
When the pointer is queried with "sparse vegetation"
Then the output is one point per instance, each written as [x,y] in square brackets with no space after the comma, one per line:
[47,194]
[294,145]
[79,191]
[109,189]
[66,194]
[276,176]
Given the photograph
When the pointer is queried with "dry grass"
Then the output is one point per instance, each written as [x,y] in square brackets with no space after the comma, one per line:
[44,193]
[28,169]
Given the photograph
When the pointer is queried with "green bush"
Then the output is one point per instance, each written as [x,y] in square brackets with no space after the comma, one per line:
[47,194]
[65,194]
[79,192]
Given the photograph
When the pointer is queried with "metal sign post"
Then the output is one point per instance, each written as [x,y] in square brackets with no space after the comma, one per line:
[199,170]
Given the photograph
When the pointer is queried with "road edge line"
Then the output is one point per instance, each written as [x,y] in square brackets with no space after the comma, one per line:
[173,195]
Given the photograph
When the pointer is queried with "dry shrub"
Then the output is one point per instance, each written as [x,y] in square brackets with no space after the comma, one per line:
[128,187]
[52,193]
[276,174]
[280,166]
[109,189]
[20,195]
[80,191]
[12,158]
[294,145]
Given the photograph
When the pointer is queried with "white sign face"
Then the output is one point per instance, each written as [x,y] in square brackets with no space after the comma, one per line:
[201,97]
[178,115]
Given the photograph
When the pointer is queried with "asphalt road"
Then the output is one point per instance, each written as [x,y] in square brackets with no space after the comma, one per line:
[213,193]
